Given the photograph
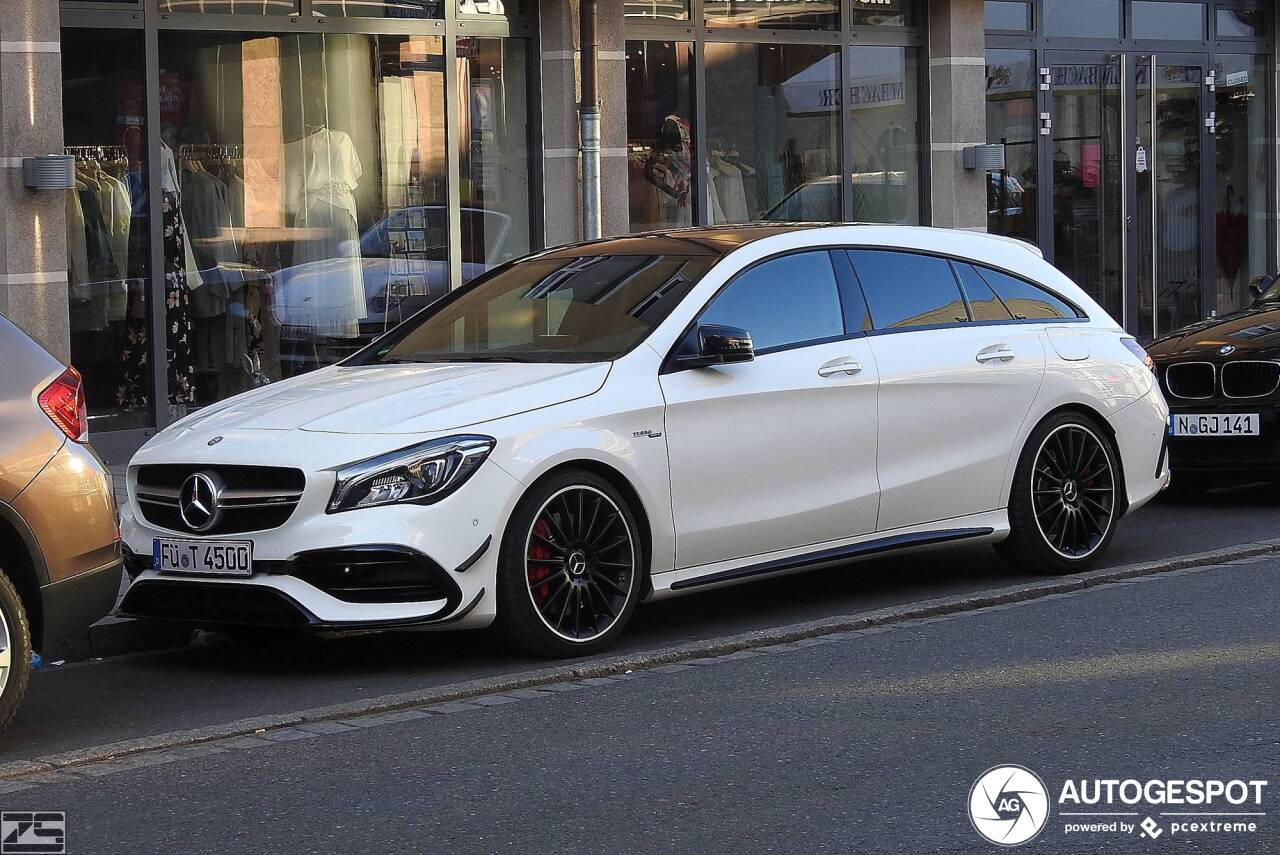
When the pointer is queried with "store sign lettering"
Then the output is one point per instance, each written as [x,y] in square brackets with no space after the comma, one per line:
[891,92]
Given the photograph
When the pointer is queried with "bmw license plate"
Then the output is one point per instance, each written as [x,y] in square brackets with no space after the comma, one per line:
[208,557]
[1215,424]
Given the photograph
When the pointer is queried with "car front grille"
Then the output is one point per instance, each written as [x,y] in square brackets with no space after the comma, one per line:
[253,498]
[1189,380]
[1250,379]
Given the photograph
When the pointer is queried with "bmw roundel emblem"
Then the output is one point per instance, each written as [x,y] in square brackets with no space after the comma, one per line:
[1227,349]
[215,440]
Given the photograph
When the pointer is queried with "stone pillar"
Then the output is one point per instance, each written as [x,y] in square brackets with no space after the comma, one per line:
[33,253]
[562,187]
[957,112]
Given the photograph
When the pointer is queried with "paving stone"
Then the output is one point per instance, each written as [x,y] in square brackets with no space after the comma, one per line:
[494,700]
[325,727]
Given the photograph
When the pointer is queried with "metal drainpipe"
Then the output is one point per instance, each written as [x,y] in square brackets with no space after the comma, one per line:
[589,122]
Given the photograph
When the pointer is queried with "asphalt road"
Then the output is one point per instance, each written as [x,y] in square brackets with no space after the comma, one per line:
[93,703]
[862,742]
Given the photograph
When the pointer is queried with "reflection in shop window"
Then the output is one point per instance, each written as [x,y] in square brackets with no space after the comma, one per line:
[1241,24]
[773,130]
[287,159]
[884,13]
[773,14]
[231,7]
[1243,174]
[677,10]
[1013,123]
[411,9]
[659,134]
[108,237]
[494,152]
[884,108]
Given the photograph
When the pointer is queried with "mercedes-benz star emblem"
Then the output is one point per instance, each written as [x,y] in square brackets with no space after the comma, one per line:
[1227,349]
[198,501]
[577,563]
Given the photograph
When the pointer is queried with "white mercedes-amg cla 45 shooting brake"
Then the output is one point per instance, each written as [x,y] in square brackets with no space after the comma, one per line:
[594,426]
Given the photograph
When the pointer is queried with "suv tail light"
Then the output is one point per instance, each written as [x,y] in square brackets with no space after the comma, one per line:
[63,402]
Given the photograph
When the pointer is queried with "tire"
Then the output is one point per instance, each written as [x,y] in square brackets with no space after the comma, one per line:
[571,567]
[1066,498]
[15,644]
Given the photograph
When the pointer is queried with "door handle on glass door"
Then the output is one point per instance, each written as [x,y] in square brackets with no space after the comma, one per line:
[996,353]
[843,365]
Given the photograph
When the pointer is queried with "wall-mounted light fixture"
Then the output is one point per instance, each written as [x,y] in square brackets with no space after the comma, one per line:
[49,172]
[989,158]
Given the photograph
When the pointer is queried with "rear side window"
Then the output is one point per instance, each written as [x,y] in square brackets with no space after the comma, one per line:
[984,305]
[906,290]
[1024,300]
[783,301]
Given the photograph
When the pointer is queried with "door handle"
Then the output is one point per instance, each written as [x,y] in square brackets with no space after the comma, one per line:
[996,353]
[844,365]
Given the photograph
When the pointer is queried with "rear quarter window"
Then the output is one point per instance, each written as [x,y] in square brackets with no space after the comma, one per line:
[1024,300]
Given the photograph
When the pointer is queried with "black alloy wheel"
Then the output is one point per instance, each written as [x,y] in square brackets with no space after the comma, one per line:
[1066,497]
[578,559]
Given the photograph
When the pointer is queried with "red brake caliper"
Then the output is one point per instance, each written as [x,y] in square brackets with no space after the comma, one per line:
[539,571]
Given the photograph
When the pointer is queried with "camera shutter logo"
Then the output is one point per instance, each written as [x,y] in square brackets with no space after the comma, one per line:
[33,833]
[1008,805]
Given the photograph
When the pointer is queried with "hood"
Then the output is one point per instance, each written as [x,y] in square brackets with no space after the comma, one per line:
[401,399]
[1253,332]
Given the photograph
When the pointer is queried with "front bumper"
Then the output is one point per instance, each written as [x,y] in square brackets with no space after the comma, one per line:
[1229,456]
[450,543]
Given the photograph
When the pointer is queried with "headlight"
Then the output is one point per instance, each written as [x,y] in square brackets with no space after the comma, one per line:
[420,474]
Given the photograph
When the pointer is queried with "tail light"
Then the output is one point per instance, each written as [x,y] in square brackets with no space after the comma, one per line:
[63,402]
[1137,350]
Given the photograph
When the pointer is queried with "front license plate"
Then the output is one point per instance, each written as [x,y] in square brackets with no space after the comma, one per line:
[1215,424]
[209,557]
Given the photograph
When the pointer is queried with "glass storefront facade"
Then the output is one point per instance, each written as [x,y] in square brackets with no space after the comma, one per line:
[295,193]
[1140,151]
[775,110]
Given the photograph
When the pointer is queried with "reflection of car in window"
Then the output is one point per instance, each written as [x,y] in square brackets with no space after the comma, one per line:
[878,197]
[404,262]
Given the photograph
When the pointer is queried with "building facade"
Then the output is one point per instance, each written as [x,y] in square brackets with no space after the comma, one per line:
[261,186]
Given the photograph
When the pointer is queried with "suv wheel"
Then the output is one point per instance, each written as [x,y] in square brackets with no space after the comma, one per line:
[571,567]
[15,651]
[1066,497]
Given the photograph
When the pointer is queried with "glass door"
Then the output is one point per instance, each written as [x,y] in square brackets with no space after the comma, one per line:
[1081,151]
[1170,233]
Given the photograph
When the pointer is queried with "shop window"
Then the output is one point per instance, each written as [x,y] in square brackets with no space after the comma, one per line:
[492,8]
[108,227]
[1242,176]
[773,14]
[671,10]
[305,199]
[231,7]
[1004,15]
[1099,19]
[1240,23]
[772,126]
[660,187]
[1012,121]
[885,13]
[494,152]
[1160,20]
[884,108]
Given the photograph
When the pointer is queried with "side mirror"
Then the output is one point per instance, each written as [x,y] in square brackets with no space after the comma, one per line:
[719,345]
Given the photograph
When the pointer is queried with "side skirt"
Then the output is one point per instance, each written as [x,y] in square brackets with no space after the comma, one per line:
[835,555]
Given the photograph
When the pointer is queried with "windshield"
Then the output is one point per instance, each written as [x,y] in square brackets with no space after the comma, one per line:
[549,308]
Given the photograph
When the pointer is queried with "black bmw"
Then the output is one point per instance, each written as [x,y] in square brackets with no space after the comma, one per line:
[1221,377]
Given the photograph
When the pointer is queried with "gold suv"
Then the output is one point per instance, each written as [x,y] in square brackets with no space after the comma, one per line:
[59,533]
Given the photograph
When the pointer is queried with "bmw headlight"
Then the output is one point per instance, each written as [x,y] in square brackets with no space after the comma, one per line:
[420,474]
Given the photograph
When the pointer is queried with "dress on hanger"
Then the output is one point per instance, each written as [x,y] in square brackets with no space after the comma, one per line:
[322,173]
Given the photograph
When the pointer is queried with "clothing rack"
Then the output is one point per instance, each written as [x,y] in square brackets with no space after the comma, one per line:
[211,151]
[97,152]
